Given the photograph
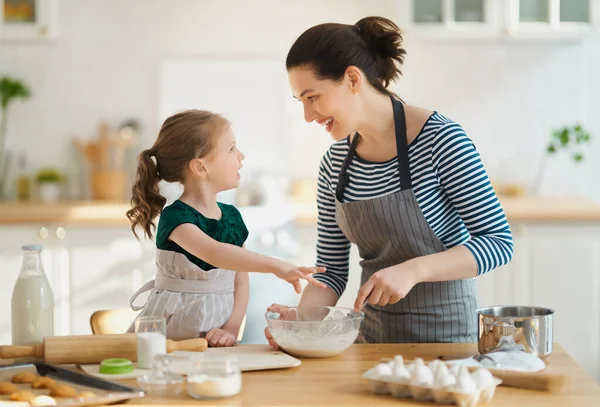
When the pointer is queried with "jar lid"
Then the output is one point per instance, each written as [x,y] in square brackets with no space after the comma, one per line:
[116,366]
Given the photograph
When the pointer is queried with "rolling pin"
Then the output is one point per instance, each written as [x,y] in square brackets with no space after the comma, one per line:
[88,349]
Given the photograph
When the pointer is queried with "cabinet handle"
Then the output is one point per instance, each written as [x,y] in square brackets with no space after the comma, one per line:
[44,233]
[61,232]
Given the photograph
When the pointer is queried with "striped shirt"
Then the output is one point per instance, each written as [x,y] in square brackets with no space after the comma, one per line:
[450,184]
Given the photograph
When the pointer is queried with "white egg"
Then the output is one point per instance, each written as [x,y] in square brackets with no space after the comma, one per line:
[443,378]
[383,369]
[421,375]
[464,382]
[399,371]
[454,370]
[483,378]
[434,364]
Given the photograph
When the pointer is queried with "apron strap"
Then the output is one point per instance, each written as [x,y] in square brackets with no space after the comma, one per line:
[401,148]
[343,177]
[162,282]
[401,144]
[146,287]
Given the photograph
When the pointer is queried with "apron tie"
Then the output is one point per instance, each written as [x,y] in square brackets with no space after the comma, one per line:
[162,282]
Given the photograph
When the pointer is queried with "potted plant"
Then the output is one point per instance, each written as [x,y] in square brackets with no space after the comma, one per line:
[10,90]
[49,184]
[567,138]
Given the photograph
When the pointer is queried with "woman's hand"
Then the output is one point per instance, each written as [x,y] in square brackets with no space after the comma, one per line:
[389,285]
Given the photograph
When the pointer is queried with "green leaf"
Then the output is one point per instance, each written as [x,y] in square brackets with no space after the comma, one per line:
[564,137]
[11,89]
[551,149]
[578,157]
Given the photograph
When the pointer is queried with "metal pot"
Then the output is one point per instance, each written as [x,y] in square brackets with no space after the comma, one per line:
[516,327]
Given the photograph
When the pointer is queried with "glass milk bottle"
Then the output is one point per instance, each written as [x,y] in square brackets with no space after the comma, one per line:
[32,301]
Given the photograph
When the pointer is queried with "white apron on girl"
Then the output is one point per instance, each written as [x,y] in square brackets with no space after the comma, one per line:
[193,301]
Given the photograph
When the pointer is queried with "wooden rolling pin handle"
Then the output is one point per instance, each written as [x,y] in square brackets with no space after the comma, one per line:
[552,383]
[12,352]
[194,345]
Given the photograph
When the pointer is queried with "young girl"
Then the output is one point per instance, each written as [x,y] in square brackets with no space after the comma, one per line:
[199,241]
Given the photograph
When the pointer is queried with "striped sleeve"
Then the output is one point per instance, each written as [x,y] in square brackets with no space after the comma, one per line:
[460,171]
[333,248]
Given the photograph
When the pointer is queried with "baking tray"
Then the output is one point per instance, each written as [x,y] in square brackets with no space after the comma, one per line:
[105,392]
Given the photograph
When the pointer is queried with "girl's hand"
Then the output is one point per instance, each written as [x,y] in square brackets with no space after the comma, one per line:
[387,286]
[218,337]
[294,274]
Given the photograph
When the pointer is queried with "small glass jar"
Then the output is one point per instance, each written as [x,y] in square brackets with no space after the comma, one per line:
[151,339]
[162,382]
[214,377]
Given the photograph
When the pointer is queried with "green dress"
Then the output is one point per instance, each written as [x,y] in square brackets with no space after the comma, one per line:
[193,295]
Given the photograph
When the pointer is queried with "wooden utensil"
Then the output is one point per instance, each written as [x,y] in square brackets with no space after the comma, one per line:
[550,382]
[81,349]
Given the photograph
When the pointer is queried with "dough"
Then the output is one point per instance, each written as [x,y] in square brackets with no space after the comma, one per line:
[43,383]
[22,396]
[7,388]
[62,390]
[24,377]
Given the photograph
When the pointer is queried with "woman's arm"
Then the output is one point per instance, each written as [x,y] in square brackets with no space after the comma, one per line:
[460,172]
[240,304]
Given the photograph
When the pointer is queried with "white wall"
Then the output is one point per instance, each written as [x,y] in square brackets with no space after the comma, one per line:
[105,65]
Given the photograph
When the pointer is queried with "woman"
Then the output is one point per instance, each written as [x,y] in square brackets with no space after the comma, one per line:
[403,183]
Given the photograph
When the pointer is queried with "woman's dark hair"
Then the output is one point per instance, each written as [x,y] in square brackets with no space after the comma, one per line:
[373,44]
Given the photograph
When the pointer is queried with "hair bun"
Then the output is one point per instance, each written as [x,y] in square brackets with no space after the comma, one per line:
[384,38]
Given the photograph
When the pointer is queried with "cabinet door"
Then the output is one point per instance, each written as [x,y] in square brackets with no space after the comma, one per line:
[550,19]
[450,19]
[106,268]
[565,276]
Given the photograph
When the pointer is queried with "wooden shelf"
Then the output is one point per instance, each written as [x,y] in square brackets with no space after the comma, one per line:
[525,209]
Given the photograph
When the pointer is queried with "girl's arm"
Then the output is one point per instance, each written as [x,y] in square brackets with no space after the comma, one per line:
[240,304]
[230,257]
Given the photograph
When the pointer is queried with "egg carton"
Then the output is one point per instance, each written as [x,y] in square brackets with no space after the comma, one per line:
[436,382]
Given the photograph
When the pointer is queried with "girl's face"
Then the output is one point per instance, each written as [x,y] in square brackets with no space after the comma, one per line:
[222,167]
[332,104]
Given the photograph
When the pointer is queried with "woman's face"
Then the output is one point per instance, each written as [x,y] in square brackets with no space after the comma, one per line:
[330,103]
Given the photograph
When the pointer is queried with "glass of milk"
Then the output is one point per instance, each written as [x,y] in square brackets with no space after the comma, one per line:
[151,339]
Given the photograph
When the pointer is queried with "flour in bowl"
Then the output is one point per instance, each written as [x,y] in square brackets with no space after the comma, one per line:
[310,343]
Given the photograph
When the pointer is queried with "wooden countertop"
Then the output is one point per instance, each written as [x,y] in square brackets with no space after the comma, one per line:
[525,209]
[92,213]
[337,381]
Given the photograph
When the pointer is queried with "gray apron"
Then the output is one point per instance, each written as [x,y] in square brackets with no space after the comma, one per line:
[390,230]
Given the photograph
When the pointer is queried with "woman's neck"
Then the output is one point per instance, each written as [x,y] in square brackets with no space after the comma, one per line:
[377,130]
[203,198]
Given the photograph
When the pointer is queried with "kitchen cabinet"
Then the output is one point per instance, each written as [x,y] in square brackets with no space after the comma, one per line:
[555,265]
[512,20]
[450,19]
